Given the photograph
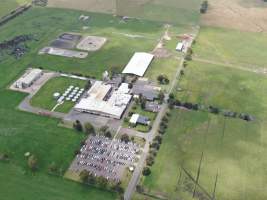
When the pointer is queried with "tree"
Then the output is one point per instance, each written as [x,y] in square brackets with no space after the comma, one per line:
[78,126]
[139,189]
[165,119]
[88,85]
[84,175]
[158,138]
[125,138]
[146,171]
[3,156]
[130,85]
[161,97]
[102,181]
[160,78]
[143,102]
[89,129]
[52,167]
[32,162]
[163,79]
[91,179]
[171,96]
[117,187]
[108,134]
[150,160]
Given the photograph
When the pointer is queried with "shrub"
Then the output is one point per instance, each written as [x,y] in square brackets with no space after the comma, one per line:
[89,129]
[146,171]
[78,126]
[125,138]
[32,162]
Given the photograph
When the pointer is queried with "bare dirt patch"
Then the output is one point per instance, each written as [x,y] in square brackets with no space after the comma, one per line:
[91,43]
[242,15]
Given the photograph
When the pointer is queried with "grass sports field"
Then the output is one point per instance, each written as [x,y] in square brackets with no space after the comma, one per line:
[44,97]
[9,5]
[244,49]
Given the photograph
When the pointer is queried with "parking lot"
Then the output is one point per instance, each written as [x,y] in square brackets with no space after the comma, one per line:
[105,157]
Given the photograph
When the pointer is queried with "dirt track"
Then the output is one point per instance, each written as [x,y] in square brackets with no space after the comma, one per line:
[243,15]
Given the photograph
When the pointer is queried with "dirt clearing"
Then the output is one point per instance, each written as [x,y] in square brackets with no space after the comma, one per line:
[242,15]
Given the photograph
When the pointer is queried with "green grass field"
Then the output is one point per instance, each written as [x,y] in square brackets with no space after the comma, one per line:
[165,66]
[22,132]
[123,39]
[44,97]
[229,46]
[168,11]
[171,11]
[232,148]
[18,186]
[224,87]
[8,5]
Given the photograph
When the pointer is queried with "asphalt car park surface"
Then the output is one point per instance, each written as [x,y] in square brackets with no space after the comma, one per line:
[104,157]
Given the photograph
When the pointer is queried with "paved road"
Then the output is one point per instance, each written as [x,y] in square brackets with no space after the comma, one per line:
[150,136]
[26,106]
[132,132]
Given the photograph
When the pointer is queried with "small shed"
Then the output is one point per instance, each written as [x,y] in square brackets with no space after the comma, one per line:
[180,46]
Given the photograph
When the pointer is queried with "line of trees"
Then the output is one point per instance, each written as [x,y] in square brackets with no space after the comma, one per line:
[155,145]
[212,109]
[99,181]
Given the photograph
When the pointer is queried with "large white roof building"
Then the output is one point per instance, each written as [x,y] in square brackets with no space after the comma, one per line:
[138,64]
[28,78]
[98,101]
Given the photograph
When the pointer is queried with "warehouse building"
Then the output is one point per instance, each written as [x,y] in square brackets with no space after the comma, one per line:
[28,78]
[138,64]
[102,100]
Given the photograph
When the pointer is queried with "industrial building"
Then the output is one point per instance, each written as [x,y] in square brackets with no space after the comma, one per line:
[103,100]
[146,89]
[139,119]
[138,64]
[28,78]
